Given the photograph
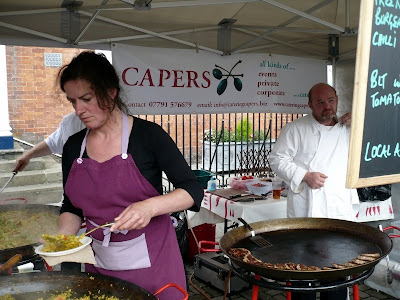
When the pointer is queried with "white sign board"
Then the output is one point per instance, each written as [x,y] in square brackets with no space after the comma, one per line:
[179,81]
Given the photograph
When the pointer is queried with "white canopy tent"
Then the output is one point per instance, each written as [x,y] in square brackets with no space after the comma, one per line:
[307,28]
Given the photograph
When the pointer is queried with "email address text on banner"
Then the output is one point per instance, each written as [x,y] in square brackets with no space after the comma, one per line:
[179,81]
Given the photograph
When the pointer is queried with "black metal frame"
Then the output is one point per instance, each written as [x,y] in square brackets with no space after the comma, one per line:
[302,285]
[188,139]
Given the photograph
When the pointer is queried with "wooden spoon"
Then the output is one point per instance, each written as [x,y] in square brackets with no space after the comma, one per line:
[90,231]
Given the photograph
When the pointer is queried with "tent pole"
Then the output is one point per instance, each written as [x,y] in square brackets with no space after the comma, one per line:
[334,71]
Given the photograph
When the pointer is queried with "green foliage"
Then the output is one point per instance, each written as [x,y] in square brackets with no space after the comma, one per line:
[244,130]
[242,133]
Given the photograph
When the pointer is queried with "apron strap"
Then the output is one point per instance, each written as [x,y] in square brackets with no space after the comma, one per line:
[83,145]
[124,142]
[125,135]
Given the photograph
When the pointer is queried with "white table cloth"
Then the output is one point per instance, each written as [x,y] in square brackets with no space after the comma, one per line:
[215,209]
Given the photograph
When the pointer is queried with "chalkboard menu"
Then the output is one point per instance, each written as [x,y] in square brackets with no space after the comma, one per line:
[374,155]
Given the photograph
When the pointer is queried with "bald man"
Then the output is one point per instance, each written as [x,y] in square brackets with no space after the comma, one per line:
[310,155]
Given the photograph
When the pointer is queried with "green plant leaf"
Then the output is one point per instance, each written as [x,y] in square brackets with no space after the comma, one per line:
[224,135]
[244,130]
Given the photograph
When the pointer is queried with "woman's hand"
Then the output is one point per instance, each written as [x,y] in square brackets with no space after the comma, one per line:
[136,216]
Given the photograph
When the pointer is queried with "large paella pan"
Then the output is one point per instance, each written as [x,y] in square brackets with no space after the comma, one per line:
[308,241]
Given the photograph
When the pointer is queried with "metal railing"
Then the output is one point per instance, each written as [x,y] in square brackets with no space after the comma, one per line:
[224,144]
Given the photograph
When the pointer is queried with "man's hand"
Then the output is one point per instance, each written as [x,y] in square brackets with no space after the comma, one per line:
[315,180]
[21,162]
[345,119]
[38,150]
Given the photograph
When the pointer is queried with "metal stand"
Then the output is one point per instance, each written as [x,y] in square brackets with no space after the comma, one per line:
[226,227]
[312,285]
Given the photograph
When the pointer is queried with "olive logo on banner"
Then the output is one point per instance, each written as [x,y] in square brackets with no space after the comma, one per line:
[217,73]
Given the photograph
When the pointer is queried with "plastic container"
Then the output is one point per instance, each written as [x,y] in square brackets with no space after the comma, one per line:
[203,232]
[203,176]
[212,184]
[240,184]
[259,188]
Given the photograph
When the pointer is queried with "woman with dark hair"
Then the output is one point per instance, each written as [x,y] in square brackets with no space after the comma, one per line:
[112,173]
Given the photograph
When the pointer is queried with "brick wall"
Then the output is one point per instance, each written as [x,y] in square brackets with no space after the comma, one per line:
[36,107]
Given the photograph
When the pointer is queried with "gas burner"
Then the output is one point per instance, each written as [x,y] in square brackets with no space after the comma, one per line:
[298,285]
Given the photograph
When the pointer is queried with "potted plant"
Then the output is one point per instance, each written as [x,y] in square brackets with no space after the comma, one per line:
[223,148]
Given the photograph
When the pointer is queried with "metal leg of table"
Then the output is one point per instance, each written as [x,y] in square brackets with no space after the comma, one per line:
[254,295]
[356,294]
[288,294]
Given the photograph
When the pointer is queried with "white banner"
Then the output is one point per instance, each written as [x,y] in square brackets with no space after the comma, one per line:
[180,81]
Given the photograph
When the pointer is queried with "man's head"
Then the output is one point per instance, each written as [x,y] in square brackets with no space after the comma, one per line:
[323,101]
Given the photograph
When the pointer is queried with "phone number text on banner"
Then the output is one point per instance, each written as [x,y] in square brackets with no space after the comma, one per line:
[179,81]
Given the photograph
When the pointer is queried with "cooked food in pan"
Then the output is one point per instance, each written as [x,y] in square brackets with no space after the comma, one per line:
[366,257]
[289,266]
[338,266]
[239,253]
[246,256]
[67,295]
[375,255]
[23,227]
[60,242]
[249,258]
[350,264]
[7,297]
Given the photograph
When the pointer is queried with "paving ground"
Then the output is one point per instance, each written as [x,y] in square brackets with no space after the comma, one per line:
[199,290]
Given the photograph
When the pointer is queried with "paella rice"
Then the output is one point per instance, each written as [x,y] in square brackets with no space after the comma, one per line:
[7,297]
[60,242]
[22,227]
[67,295]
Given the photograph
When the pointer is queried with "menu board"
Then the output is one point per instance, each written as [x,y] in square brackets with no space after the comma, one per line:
[374,154]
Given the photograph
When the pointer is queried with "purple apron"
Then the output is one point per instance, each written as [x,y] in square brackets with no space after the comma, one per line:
[148,257]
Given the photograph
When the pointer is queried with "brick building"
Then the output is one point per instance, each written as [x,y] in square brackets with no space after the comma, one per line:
[36,106]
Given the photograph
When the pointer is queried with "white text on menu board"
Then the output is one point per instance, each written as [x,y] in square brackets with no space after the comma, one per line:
[379,79]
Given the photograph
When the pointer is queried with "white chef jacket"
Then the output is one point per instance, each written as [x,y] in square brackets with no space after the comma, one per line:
[69,125]
[306,145]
